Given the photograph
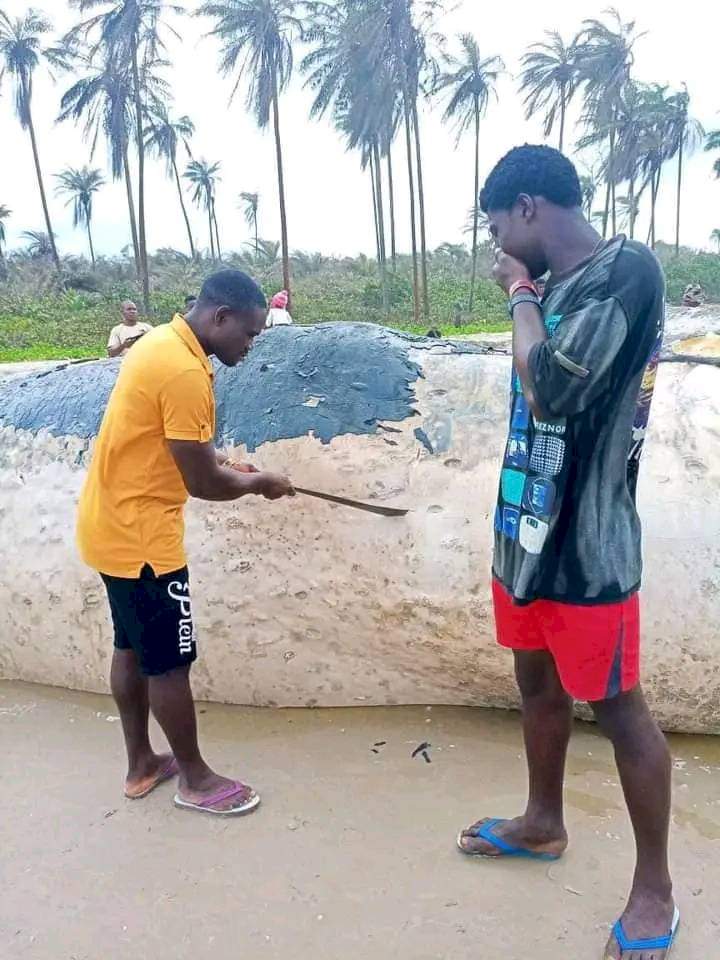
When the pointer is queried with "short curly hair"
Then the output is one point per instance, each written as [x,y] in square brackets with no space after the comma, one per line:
[538,171]
[232,288]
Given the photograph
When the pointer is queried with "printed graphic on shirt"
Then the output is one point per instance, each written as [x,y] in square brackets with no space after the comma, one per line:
[547,455]
[521,414]
[512,483]
[642,413]
[516,454]
[510,521]
[533,534]
[539,497]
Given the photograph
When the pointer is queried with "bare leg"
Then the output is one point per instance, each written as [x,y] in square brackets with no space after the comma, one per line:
[172,704]
[130,691]
[547,723]
[643,762]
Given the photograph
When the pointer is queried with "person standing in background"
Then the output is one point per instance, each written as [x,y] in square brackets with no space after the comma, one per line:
[278,315]
[125,334]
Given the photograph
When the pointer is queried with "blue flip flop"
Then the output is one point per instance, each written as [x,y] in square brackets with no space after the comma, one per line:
[487,832]
[656,943]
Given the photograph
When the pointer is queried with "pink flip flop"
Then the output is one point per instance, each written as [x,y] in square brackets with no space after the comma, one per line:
[169,771]
[235,789]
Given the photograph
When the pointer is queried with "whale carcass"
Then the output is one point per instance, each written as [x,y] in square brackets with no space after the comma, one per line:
[305,603]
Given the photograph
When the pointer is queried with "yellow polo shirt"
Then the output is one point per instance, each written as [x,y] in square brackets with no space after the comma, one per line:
[131,506]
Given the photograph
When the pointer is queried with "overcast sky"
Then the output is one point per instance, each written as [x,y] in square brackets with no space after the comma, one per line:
[328,196]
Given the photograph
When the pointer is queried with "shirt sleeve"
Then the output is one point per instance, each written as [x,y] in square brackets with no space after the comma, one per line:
[571,369]
[188,407]
[114,338]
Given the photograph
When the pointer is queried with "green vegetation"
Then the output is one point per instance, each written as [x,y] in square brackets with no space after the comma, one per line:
[40,321]
[369,66]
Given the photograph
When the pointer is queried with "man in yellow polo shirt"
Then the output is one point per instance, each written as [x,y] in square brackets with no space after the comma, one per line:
[155,447]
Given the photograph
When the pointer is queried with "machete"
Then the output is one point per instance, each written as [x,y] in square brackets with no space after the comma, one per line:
[368,507]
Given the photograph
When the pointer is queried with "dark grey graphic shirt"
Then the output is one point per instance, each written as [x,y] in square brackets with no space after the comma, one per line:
[566,525]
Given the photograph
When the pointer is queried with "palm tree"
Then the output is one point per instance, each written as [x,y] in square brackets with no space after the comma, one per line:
[5,213]
[604,57]
[163,137]
[345,75]
[101,100]
[687,135]
[39,244]
[79,186]
[632,126]
[256,43]
[628,210]
[549,81]
[204,176]
[658,144]
[21,51]
[588,187]
[471,80]
[251,202]
[128,33]
[713,143]
[714,236]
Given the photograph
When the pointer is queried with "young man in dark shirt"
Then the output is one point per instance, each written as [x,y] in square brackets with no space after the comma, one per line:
[567,560]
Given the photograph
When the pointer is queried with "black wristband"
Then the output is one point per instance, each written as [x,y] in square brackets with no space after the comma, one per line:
[523,298]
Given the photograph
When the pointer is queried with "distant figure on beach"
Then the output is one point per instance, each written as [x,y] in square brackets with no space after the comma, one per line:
[154,449]
[190,302]
[125,334]
[694,295]
[567,560]
[278,315]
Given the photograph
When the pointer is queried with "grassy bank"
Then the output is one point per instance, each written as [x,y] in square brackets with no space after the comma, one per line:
[40,321]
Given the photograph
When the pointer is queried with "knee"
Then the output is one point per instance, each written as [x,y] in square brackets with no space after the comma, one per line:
[627,722]
[542,687]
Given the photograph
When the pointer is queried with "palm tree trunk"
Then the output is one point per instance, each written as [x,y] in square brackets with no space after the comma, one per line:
[210,225]
[606,211]
[38,173]
[381,226]
[631,206]
[257,242]
[563,110]
[391,192]
[612,175]
[217,231]
[421,210]
[90,240]
[131,209]
[380,201]
[476,194]
[413,234]
[654,187]
[375,212]
[142,240]
[193,253]
[679,196]
[281,187]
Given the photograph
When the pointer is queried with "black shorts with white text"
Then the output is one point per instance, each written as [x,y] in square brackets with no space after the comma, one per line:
[152,616]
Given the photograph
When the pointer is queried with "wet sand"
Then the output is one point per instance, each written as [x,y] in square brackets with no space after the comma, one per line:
[352,853]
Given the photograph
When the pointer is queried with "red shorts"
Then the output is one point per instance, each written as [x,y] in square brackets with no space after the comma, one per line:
[596,648]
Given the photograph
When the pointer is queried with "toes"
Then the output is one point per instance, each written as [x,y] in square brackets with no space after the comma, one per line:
[471,831]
